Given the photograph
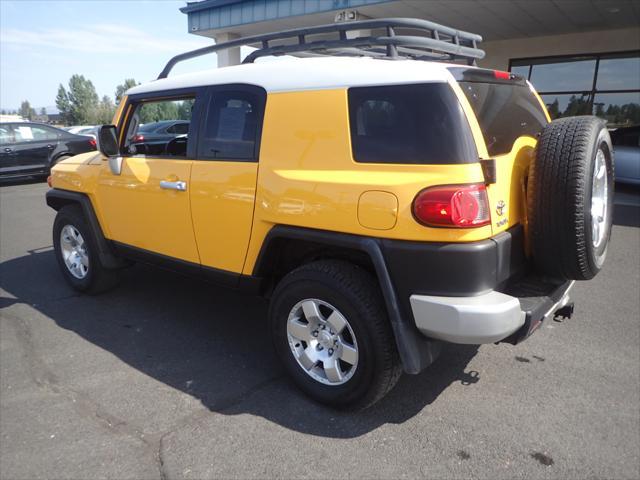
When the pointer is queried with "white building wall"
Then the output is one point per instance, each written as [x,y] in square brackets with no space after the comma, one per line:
[499,52]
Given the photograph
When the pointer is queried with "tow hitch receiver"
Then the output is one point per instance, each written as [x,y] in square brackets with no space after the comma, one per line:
[563,312]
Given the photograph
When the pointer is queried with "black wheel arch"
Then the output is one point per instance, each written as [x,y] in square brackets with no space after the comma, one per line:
[58,198]
[303,245]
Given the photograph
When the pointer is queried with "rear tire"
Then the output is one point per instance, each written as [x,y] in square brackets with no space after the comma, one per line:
[77,254]
[570,198]
[344,295]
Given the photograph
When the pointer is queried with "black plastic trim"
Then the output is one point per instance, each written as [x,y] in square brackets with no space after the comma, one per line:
[224,278]
[537,296]
[57,198]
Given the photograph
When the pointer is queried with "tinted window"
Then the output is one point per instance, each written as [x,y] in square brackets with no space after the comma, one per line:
[150,116]
[563,76]
[619,73]
[6,134]
[505,112]
[179,128]
[606,85]
[409,124]
[230,129]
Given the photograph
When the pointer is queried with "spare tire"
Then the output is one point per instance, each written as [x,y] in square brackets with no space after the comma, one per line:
[570,198]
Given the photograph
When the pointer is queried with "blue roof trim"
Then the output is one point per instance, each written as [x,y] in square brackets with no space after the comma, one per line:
[219,14]
[197,6]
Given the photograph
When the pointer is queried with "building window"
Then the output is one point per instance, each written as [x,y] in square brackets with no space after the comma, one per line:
[606,85]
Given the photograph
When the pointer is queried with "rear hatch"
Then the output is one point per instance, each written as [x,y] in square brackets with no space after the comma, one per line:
[510,116]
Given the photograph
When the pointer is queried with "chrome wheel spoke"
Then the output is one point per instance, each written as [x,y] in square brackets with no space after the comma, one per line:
[332,370]
[299,330]
[308,359]
[312,312]
[336,321]
[348,354]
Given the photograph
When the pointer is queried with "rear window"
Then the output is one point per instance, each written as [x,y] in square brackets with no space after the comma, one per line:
[505,112]
[409,124]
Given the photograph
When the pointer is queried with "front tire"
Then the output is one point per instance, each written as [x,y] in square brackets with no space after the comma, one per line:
[77,254]
[331,331]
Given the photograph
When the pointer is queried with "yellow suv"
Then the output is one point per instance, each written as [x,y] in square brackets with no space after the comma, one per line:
[385,194]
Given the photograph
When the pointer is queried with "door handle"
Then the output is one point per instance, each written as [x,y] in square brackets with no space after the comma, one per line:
[51,147]
[180,186]
[8,150]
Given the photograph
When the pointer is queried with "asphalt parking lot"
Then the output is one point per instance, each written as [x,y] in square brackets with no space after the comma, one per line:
[166,377]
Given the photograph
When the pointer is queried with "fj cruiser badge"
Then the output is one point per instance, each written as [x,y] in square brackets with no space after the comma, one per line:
[500,207]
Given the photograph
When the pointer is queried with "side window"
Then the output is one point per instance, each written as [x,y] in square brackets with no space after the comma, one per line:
[23,133]
[148,130]
[6,135]
[179,128]
[43,133]
[231,125]
[409,124]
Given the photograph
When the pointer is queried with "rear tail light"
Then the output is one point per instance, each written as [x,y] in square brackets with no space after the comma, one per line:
[499,74]
[49,181]
[457,206]
[138,138]
[92,142]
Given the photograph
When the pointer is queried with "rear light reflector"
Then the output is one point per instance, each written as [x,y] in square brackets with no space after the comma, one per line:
[138,138]
[457,206]
[92,142]
[499,74]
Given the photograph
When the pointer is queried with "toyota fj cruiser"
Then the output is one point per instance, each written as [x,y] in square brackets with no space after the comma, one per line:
[385,194]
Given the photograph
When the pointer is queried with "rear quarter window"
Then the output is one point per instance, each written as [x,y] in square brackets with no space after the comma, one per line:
[505,112]
[409,124]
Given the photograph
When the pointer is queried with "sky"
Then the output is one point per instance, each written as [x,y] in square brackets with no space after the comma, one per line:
[43,43]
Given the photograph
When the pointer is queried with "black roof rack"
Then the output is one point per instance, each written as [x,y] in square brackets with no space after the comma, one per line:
[434,42]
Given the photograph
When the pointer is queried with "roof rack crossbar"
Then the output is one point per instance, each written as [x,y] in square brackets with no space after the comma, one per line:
[438,39]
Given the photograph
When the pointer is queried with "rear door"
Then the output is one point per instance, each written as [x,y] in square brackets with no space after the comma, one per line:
[33,146]
[224,174]
[510,116]
[8,155]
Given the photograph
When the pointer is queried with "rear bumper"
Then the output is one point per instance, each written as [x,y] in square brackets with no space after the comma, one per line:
[490,317]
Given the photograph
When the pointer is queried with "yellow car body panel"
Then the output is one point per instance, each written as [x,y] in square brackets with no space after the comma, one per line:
[139,213]
[222,200]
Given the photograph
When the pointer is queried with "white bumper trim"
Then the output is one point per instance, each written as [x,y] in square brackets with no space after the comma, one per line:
[486,318]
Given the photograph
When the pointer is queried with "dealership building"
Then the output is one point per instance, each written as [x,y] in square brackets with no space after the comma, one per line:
[583,56]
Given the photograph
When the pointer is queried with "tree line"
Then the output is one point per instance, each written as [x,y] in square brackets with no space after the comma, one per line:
[79,103]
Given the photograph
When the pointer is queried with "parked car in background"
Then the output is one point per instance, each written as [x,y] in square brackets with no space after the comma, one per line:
[153,138]
[28,149]
[88,130]
[626,146]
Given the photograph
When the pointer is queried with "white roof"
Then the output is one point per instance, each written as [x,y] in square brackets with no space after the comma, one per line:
[316,73]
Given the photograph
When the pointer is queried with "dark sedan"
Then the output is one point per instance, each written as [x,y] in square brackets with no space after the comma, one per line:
[30,149]
[153,138]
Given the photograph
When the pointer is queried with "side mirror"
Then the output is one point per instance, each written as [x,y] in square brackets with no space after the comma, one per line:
[108,141]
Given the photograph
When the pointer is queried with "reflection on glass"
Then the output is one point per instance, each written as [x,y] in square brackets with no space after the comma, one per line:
[619,109]
[563,76]
[567,105]
[523,70]
[619,74]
